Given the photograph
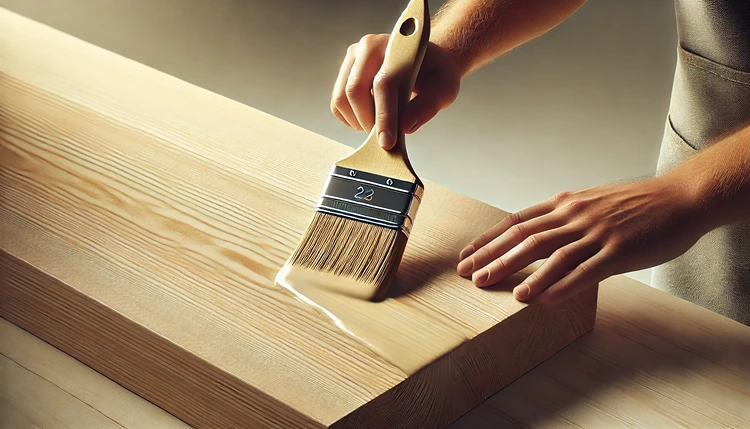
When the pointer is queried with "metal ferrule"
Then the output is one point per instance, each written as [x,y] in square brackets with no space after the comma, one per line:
[371,198]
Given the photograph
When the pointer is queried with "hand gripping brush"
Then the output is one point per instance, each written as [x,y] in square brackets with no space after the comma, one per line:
[356,239]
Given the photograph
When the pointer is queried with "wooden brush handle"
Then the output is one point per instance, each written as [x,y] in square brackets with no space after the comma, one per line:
[403,58]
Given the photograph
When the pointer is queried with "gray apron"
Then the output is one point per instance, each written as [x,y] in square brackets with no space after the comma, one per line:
[710,97]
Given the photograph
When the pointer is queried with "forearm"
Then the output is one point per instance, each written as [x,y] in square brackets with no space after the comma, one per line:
[717,180]
[478,31]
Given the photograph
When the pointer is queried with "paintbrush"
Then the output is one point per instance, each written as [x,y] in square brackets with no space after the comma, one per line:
[357,236]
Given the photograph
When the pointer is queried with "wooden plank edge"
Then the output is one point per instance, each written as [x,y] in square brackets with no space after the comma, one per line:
[138,359]
[464,378]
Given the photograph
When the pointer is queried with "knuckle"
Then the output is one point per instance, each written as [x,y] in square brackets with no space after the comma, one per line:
[585,268]
[563,255]
[560,197]
[616,245]
[355,88]
[351,49]
[574,206]
[498,265]
[368,40]
[484,254]
[339,101]
[382,81]
[518,232]
[382,116]
[514,218]
[492,249]
[482,240]
[595,232]
[486,237]
[535,242]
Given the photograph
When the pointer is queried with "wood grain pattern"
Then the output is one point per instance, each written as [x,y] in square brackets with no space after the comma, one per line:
[42,387]
[143,221]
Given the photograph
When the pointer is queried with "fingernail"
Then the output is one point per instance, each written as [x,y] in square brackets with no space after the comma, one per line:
[483,276]
[465,266]
[468,251]
[385,139]
[413,126]
[522,291]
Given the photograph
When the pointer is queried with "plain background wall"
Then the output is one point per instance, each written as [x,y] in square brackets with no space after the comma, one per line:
[581,106]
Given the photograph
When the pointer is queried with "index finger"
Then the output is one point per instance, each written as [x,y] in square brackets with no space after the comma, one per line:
[385,91]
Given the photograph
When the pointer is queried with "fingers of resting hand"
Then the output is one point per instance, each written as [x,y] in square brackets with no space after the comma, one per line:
[507,240]
[562,261]
[535,247]
[370,56]
[586,274]
[502,226]
[340,106]
[385,90]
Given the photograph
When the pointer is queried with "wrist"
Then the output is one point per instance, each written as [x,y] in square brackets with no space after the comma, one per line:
[688,197]
[455,52]
[450,35]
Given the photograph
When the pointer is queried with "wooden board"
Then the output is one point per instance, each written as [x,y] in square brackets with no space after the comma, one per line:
[143,220]
[653,361]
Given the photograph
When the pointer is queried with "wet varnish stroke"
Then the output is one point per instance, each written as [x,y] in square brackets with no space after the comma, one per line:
[402,335]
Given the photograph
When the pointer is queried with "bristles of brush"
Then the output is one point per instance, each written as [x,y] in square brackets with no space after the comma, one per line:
[365,253]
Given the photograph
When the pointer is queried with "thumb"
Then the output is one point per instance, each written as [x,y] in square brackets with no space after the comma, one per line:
[424,106]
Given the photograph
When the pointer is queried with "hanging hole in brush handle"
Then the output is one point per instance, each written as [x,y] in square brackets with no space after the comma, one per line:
[408,27]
